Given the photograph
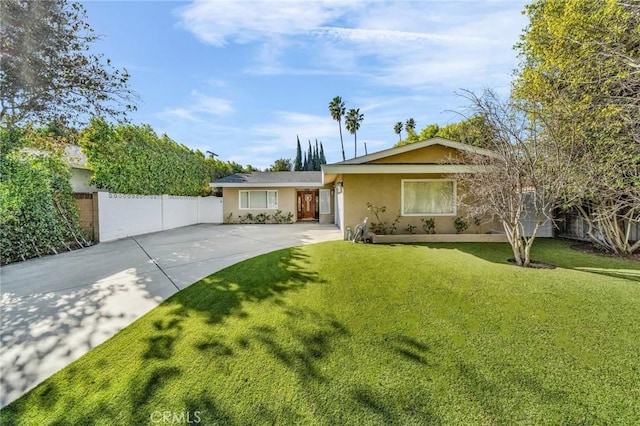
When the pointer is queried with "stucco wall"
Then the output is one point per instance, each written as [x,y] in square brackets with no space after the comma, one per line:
[433,154]
[286,202]
[385,190]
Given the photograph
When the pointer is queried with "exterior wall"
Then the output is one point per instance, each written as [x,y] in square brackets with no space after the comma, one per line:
[433,154]
[230,196]
[123,215]
[80,179]
[385,190]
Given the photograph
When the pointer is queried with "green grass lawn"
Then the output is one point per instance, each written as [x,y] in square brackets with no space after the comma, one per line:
[339,333]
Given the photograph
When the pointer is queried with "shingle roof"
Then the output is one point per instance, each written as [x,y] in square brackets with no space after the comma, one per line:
[271,179]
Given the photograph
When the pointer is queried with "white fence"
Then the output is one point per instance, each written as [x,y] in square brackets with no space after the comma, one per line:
[123,215]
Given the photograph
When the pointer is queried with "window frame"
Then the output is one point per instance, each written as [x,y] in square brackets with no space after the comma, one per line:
[455,195]
[328,192]
[249,191]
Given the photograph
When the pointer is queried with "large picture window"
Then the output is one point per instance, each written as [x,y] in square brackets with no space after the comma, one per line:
[428,197]
[258,200]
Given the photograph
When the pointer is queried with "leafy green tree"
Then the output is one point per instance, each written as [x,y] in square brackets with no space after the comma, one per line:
[337,110]
[579,62]
[281,165]
[352,123]
[397,128]
[297,164]
[47,71]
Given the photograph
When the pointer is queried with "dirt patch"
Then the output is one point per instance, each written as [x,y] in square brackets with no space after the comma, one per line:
[536,264]
[590,248]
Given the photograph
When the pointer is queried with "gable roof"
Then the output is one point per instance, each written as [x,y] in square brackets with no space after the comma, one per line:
[415,146]
[270,179]
[369,164]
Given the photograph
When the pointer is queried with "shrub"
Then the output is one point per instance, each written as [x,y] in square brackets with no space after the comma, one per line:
[429,225]
[460,224]
[411,229]
[382,227]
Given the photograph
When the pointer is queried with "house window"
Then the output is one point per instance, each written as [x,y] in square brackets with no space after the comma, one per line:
[428,197]
[254,200]
[325,201]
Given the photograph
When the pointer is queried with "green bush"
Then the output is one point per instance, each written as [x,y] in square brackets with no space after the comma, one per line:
[132,159]
[38,214]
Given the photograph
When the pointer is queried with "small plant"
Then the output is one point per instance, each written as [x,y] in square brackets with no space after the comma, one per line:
[429,225]
[278,217]
[381,227]
[411,229]
[229,218]
[460,224]
[261,218]
[247,218]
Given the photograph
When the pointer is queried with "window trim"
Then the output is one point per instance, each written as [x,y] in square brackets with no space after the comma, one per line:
[455,197]
[249,197]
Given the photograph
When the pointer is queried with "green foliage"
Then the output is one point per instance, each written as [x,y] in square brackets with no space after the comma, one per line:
[297,163]
[38,214]
[47,72]
[281,165]
[428,225]
[411,229]
[134,160]
[460,224]
[397,128]
[473,130]
[381,226]
[261,218]
[579,64]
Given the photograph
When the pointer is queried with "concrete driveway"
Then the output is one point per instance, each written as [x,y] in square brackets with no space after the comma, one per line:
[57,308]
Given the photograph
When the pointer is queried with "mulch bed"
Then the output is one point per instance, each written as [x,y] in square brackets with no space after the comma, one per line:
[586,247]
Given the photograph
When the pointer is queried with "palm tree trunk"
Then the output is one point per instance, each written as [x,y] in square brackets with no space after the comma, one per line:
[341,141]
[355,142]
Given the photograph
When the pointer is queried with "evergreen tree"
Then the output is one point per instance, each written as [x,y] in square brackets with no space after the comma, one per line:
[316,157]
[309,158]
[297,164]
[323,159]
[305,163]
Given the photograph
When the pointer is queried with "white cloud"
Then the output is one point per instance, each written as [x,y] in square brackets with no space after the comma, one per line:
[199,107]
[408,44]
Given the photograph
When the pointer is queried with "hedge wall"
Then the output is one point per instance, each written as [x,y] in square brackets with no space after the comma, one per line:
[38,214]
[134,160]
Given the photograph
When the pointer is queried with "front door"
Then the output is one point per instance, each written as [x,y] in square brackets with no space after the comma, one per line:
[307,205]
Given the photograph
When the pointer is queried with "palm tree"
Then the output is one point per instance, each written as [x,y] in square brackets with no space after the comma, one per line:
[352,123]
[398,129]
[336,107]
[410,126]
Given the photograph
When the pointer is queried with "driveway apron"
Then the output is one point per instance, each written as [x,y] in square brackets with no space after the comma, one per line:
[56,308]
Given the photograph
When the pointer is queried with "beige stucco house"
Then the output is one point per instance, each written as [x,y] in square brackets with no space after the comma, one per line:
[416,181]
[302,194]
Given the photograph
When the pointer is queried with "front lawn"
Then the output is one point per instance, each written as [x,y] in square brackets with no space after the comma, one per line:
[339,333]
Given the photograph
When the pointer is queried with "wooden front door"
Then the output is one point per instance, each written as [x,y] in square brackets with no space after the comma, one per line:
[307,205]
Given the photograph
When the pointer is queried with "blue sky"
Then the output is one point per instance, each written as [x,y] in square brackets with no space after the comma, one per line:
[243,78]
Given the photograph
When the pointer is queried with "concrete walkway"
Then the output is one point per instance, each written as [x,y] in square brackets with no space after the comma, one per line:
[57,308]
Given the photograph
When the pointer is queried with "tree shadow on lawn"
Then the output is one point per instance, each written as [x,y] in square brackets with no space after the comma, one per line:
[553,252]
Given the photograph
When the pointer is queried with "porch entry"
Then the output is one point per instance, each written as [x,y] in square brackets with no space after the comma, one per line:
[308,204]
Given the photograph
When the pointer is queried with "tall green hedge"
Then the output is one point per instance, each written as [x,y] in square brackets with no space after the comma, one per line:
[134,160]
[38,214]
